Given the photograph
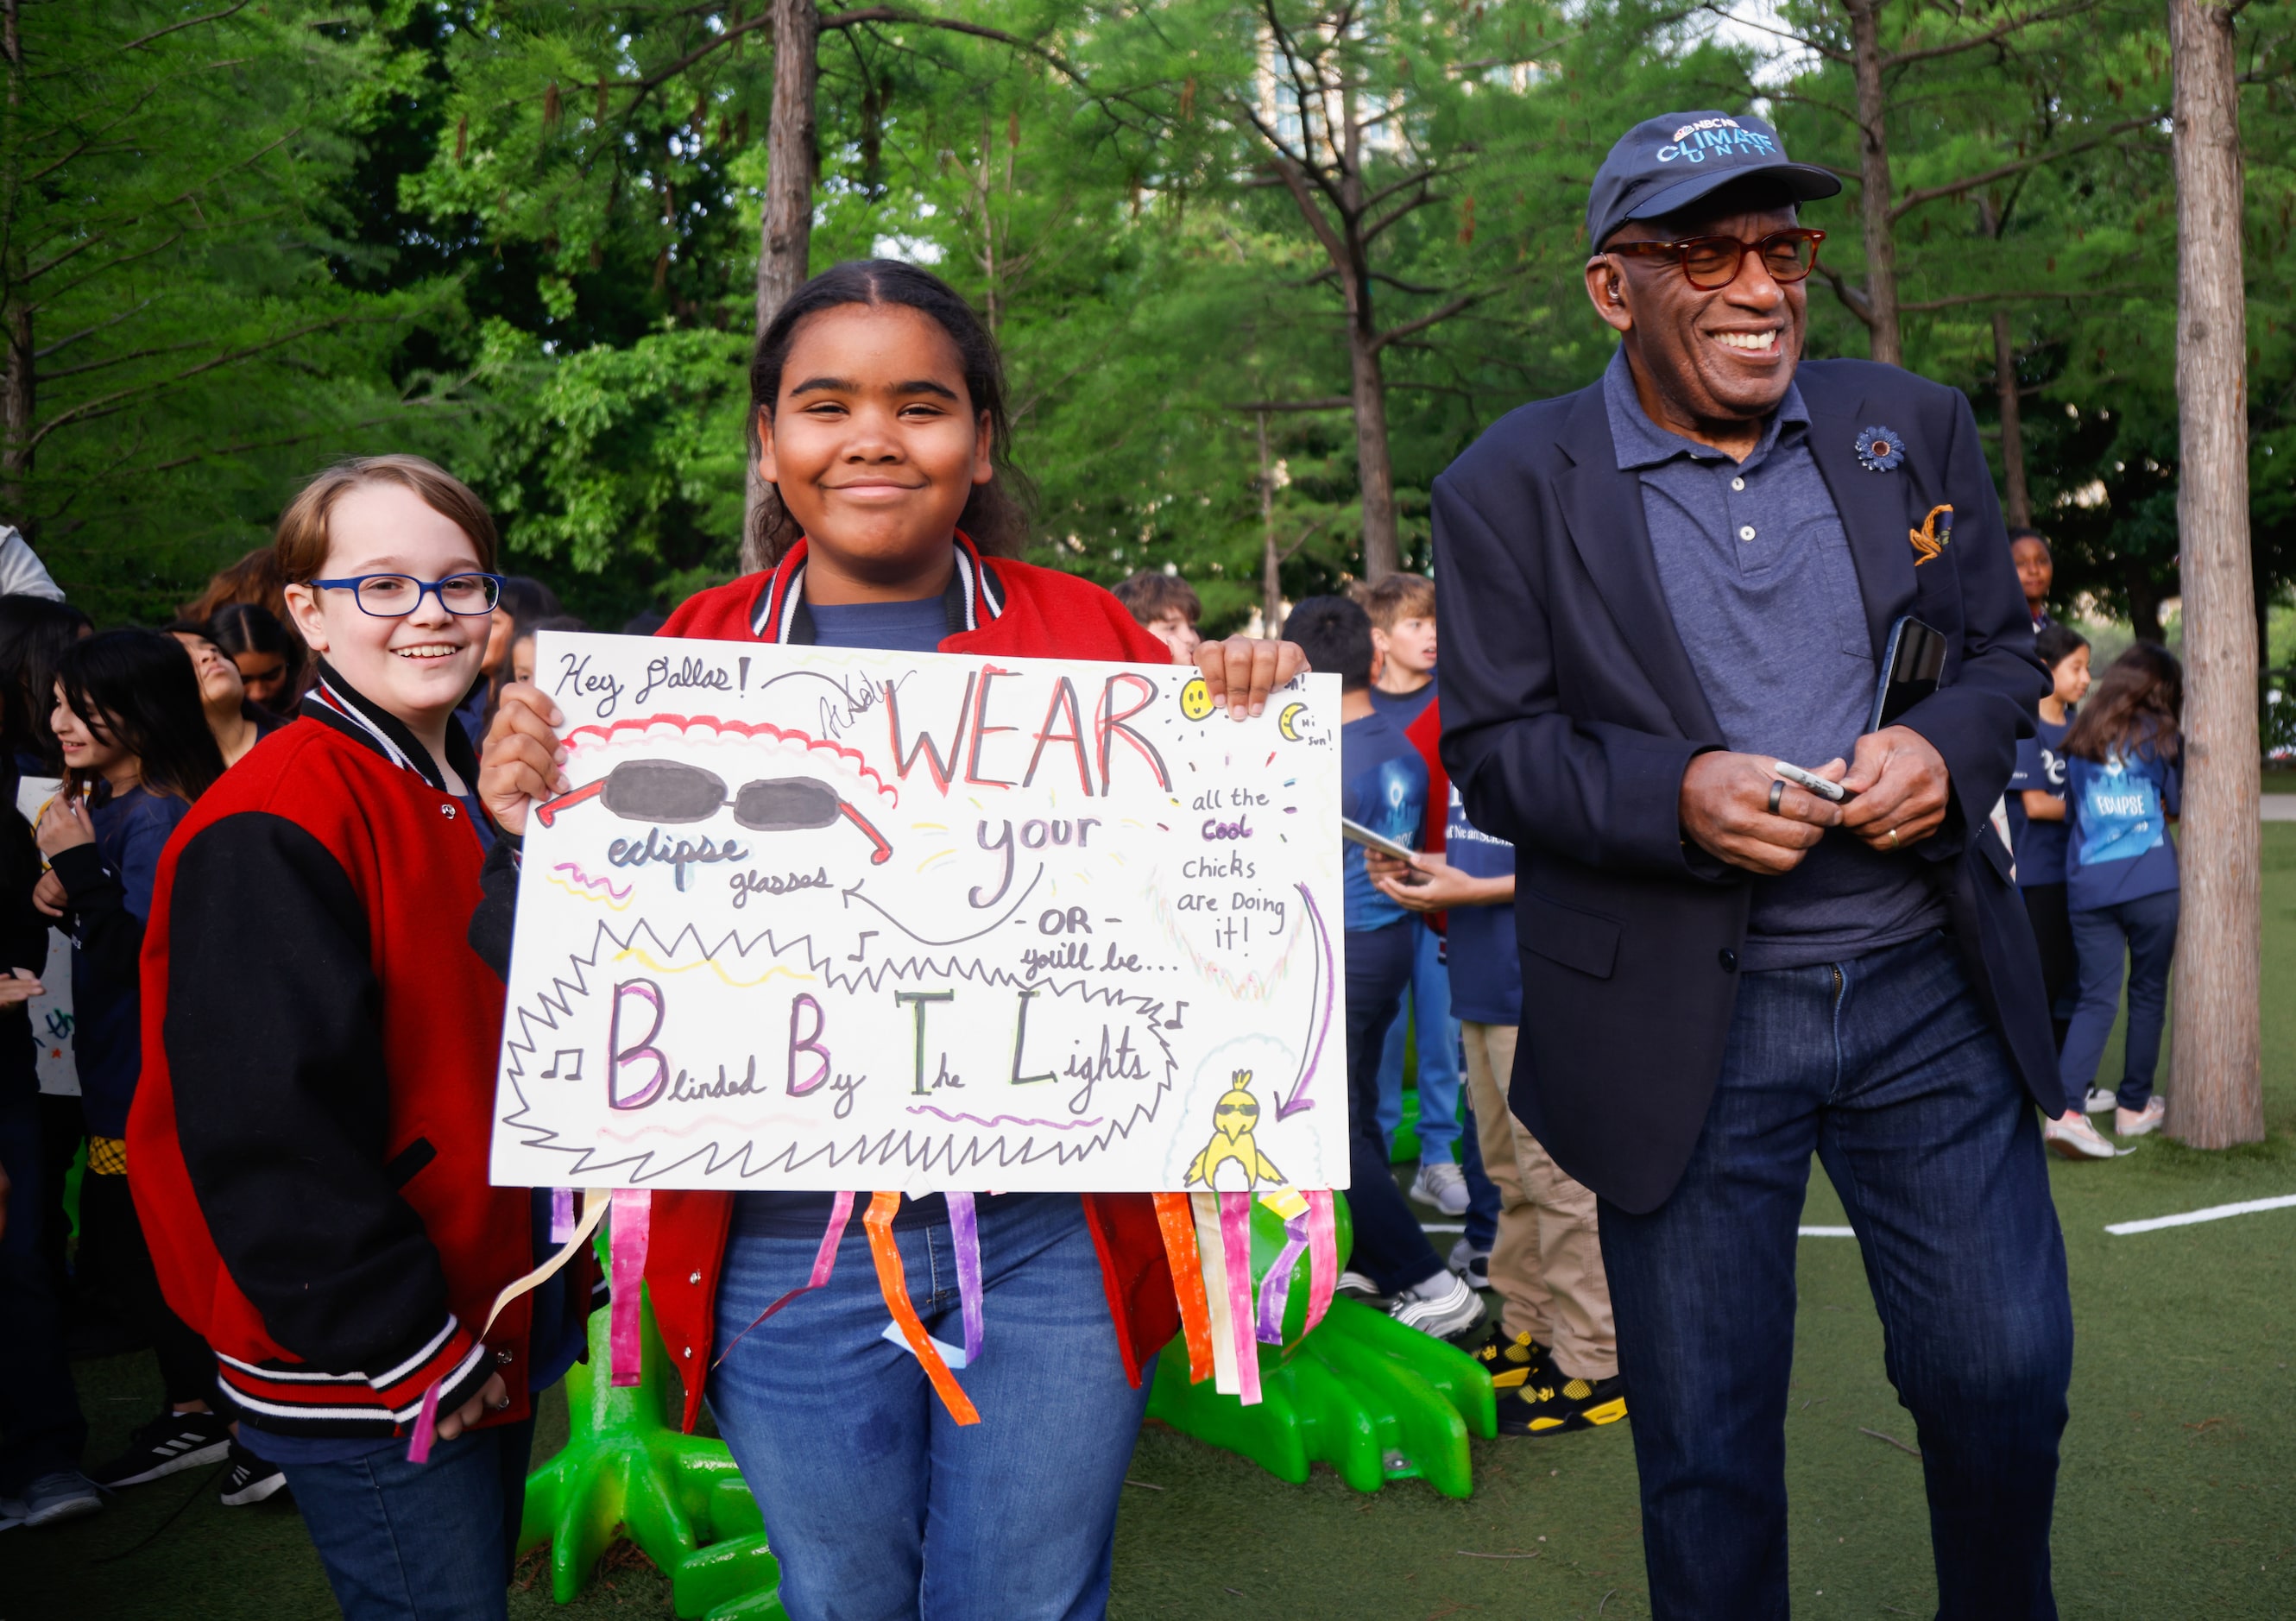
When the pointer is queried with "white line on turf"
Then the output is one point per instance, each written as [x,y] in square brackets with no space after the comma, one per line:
[2214,1213]
[1829,1232]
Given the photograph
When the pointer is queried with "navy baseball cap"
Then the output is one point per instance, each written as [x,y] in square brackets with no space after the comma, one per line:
[1670,161]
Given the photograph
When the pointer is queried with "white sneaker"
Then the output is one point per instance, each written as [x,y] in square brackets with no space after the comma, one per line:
[2140,1122]
[2072,1136]
[2099,1100]
[1441,1305]
[1355,1283]
[1442,1184]
[1471,1264]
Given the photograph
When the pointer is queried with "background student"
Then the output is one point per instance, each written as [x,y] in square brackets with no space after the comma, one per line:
[269,660]
[237,721]
[137,753]
[2037,817]
[1383,787]
[1167,605]
[2124,784]
[1402,611]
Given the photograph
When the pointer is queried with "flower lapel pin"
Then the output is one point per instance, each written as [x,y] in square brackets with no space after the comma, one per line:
[1880,450]
[1934,535]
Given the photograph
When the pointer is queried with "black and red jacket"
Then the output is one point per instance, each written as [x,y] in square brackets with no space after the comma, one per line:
[308,1143]
[995,607]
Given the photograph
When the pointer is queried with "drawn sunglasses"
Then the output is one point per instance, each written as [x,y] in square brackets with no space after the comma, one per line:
[671,792]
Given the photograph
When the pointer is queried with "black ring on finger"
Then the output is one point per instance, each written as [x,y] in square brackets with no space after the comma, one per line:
[1777,795]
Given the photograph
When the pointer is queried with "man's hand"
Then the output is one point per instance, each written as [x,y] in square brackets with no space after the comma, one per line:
[1440,886]
[48,895]
[1902,786]
[493,1396]
[521,764]
[1243,670]
[1726,811]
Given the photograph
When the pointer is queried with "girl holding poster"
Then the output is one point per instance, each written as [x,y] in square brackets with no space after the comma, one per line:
[307,1146]
[879,424]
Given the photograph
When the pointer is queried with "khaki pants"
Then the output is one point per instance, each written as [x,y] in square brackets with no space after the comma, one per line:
[1547,1261]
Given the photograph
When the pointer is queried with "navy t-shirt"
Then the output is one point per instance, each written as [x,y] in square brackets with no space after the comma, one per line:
[1403,707]
[1383,787]
[2041,845]
[1485,974]
[2119,848]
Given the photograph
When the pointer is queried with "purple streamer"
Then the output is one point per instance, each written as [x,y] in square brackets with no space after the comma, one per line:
[1275,1290]
[561,1214]
[965,1227]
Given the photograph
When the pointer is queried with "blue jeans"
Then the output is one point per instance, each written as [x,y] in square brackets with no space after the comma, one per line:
[877,1504]
[420,1542]
[1886,1067]
[1390,1248]
[2147,927]
[1438,1055]
[41,1429]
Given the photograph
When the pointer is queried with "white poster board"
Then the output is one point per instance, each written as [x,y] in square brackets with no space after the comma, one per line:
[51,1010]
[822,919]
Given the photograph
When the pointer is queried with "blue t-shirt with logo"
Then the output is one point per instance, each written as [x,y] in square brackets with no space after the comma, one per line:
[1486,975]
[1383,787]
[2041,845]
[2117,846]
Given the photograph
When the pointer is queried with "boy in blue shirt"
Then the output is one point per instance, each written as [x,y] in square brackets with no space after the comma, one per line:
[1383,787]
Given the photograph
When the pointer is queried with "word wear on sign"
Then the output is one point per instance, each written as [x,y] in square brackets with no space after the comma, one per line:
[825,918]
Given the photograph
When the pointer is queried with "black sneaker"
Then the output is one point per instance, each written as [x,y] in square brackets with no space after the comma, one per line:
[1512,1362]
[250,1478]
[170,1442]
[1553,1402]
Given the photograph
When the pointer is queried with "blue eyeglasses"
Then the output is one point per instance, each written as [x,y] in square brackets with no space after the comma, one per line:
[394,596]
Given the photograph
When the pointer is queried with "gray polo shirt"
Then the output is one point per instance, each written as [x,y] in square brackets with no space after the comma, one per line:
[1763,591]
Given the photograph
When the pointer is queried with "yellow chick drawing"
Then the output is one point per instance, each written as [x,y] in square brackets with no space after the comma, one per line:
[1232,1123]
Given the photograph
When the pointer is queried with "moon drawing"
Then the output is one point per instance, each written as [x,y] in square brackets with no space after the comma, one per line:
[1196,698]
[1287,722]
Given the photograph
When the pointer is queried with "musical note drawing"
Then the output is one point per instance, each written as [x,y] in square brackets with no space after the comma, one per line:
[560,1069]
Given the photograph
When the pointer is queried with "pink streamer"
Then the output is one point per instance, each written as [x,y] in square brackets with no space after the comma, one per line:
[824,1264]
[426,1426]
[633,1228]
[1323,1256]
[1276,1292]
[964,1227]
[1235,1252]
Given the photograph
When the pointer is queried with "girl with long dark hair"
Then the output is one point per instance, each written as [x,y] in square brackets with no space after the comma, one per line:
[237,721]
[879,425]
[2124,786]
[136,752]
[34,633]
[269,660]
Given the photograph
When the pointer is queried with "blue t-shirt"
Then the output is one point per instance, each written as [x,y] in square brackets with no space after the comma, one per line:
[1383,787]
[2119,848]
[2041,845]
[898,627]
[1403,708]
[1485,974]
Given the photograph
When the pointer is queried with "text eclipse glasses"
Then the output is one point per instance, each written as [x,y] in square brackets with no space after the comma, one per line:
[671,792]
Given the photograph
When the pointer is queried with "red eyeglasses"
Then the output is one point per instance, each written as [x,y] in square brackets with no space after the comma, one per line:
[1711,263]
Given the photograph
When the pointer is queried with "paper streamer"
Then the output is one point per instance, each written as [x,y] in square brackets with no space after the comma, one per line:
[1177,1223]
[1211,1252]
[426,1426]
[824,1265]
[561,1214]
[1322,1256]
[879,1226]
[1235,1247]
[964,1227]
[1276,1292]
[633,1228]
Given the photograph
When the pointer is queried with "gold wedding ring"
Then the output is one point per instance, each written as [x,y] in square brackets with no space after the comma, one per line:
[1893,838]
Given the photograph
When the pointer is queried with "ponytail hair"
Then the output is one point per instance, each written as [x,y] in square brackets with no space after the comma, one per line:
[996,513]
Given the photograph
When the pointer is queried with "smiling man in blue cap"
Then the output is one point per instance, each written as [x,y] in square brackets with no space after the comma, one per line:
[1656,589]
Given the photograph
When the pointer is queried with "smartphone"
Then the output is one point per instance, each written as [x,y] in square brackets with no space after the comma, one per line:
[1820,786]
[1911,667]
[1359,833]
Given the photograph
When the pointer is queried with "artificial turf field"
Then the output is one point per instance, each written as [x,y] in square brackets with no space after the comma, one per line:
[2177,1497]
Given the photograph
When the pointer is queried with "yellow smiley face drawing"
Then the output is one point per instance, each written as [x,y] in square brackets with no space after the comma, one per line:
[1196,698]
[1288,723]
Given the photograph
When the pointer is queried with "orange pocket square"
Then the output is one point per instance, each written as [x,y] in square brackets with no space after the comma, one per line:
[1930,538]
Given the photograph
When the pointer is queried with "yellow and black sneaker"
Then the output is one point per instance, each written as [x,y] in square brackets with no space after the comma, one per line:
[1551,1402]
[1511,1362]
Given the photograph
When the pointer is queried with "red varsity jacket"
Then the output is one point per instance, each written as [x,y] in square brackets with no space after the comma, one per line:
[995,607]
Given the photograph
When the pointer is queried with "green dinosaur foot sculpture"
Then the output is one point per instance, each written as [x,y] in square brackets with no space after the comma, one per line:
[627,1471]
[1376,1401]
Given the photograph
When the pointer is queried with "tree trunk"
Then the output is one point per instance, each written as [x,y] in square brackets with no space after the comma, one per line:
[1375,475]
[1271,562]
[1873,181]
[2216,1069]
[2017,500]
[785,236]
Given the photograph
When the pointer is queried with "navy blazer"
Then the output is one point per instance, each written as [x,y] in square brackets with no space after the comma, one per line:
[1570,709]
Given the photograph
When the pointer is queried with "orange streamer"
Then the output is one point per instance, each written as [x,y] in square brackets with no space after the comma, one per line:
[879,1224]
[1177,1222]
